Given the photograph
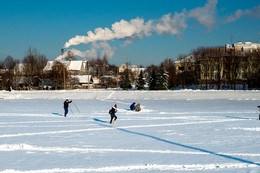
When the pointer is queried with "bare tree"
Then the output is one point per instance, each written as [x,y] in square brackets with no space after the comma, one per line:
[7,73]
[9,63]
[34,63]
[57,75]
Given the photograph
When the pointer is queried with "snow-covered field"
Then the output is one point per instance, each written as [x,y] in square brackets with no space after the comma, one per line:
[176,131]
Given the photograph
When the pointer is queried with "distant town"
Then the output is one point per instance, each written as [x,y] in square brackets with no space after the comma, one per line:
[232,66]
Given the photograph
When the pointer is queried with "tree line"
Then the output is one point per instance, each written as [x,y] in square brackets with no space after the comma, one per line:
[207,68]
[32,69]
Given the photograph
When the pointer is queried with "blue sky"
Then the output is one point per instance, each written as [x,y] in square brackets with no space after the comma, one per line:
[140,32]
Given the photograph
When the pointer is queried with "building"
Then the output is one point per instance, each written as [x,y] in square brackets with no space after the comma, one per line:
[185,64]
[73,67]
[83,81]
[19,69]
[243,46]
[77,67]
[134,69]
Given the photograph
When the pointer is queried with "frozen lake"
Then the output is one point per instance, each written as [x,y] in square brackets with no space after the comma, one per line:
[213,131]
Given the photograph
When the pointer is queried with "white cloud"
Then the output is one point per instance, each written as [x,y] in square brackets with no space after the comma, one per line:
[205,15]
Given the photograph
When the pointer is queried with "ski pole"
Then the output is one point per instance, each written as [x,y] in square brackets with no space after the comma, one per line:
[71,111]
[76,106]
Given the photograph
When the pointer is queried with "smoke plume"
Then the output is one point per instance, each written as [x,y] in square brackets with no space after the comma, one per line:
[134,29]
[252,13]
[96,50]
[172,24]
[205,15]
[137,28]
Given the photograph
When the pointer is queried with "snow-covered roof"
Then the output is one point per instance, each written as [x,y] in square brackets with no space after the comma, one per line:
[19,67]
[108,77]
[3,70]
[189,58]
[246,45]
[83,78]
[75,65]
[48,66]
[64,62]
[96,80]
[133,68]
[137,70]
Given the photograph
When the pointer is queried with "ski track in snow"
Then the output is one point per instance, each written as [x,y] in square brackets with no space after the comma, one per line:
[27,147]
[246,129]
[109,96]
[147,167]
[54,132]
[111,128]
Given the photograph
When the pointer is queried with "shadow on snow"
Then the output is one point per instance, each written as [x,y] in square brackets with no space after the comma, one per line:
[178,144]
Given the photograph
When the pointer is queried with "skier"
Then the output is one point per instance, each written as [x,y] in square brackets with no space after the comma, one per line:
[66,107]
[112,112]
[132,106]
[259,111]
[138,107]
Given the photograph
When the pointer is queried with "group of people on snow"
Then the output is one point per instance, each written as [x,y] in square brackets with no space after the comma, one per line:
[134,107]
[112,111]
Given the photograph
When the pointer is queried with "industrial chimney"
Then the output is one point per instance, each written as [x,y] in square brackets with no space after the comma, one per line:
[62,51]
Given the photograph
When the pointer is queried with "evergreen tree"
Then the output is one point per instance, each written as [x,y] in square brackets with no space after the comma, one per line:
[163,79]
[126,83]
[153,84]
[169,66]
[140,82]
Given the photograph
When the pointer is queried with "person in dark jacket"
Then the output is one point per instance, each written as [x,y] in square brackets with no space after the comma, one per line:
[138,107]
[66,107]
[132,106]
[112,112]
[259,111]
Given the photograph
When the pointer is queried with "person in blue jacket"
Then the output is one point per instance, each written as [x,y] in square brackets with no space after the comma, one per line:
[66,107]
[132,106]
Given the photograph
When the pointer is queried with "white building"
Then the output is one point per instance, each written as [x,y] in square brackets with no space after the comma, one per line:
[243,46]
[134,68]
[73,67]
[76,67]
[85,81]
